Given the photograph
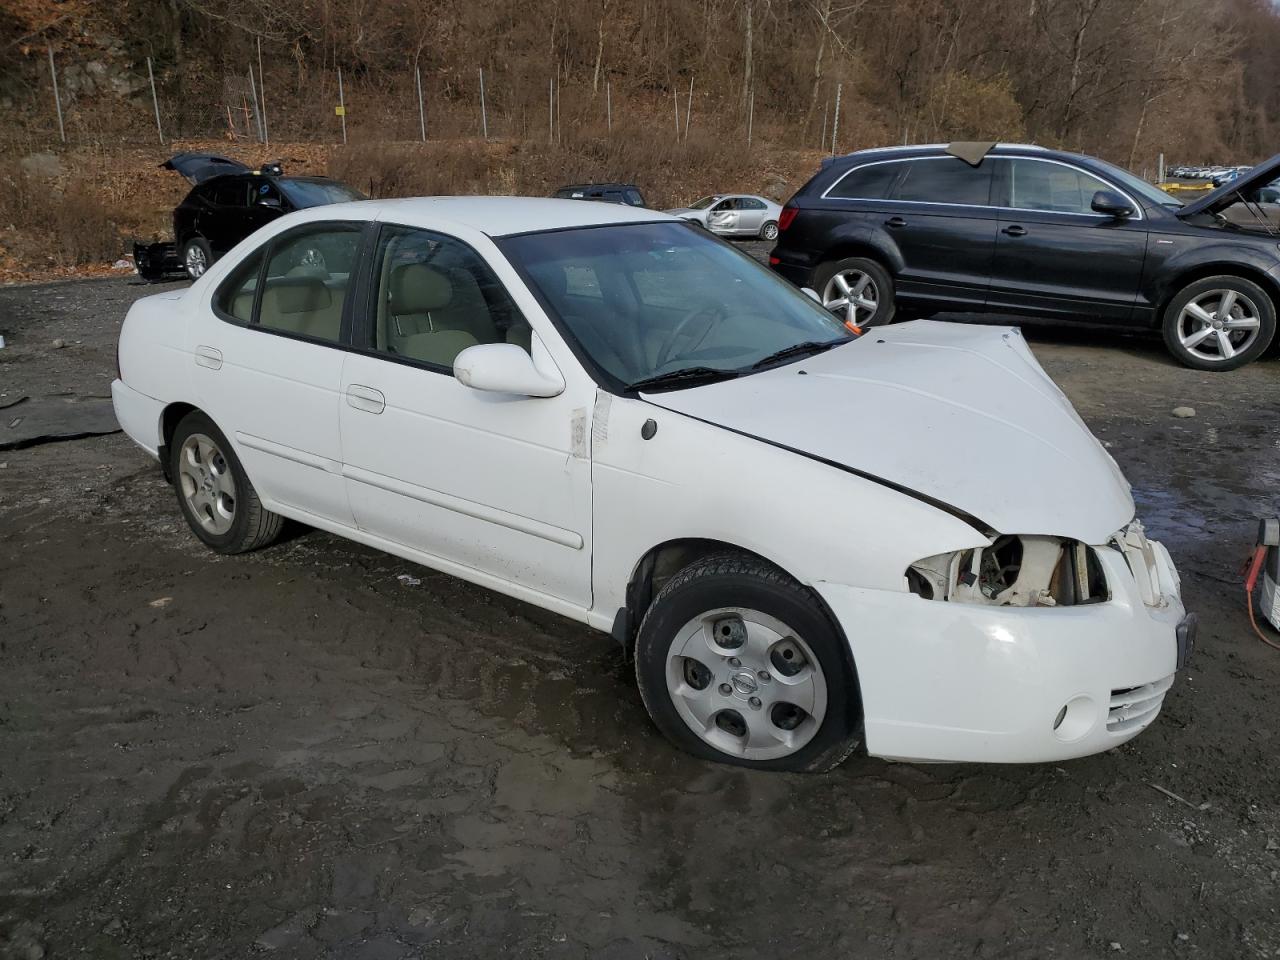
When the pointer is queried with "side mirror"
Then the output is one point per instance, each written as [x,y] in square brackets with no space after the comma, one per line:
[505,368]
[812,294]
[1112,204]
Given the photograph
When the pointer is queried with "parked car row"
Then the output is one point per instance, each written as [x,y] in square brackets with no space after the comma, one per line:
[1217,174]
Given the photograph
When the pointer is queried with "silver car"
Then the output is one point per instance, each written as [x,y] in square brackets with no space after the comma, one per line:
[734,215]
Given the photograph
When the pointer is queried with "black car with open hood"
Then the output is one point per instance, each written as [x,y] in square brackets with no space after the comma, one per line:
[228,201]
[901,232]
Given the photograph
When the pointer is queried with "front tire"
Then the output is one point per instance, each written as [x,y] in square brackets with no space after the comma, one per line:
[857,290]
[1219,323]
[215,495]
[739,663]
[197,256]
[769,231]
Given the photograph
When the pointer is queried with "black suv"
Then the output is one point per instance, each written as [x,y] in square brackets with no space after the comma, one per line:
[910,231]
[229,201]
[625,193]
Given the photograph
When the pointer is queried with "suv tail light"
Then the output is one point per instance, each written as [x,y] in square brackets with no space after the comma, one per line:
[787,215]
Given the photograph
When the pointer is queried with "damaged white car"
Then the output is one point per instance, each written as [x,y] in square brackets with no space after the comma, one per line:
[807,538]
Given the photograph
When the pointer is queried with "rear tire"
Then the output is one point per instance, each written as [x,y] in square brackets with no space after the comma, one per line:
[858,290]
[214,493]
[1198,337]
[739,663]
[769,231]
[197,257]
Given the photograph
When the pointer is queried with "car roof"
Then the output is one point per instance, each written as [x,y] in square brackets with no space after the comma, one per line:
[501,216]
[598,186]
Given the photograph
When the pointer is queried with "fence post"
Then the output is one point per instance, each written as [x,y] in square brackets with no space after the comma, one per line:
[342,106]
[262,96]
[422,113]
[826,108]
[484,116]
[608,108]
[1160,169]
[688,110]
[835,120]
[751,114]
[551,110]
[257,110]
[57,97]
[155,102]
[675,100]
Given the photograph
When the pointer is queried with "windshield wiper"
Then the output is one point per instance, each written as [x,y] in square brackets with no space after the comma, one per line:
[685,377]
[803,349]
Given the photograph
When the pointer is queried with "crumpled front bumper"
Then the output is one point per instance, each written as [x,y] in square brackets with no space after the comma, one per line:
[947,681]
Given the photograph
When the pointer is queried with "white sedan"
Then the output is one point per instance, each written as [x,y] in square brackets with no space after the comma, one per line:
[739,215]
[807,539]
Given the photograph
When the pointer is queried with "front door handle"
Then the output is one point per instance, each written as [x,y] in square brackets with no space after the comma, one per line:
[895,222]
[209,357]
[1016,231]
[366,398]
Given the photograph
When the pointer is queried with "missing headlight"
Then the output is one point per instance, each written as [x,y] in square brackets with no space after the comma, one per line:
[1014,571]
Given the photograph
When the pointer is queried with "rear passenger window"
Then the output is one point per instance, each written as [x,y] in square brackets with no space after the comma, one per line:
[945,180]
[230,194]
[871,182]
[307,277]
[235,296]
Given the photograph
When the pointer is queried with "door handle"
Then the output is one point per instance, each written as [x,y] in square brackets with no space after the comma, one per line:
[895,222]
[208,357]
[365,398]
[1015,231]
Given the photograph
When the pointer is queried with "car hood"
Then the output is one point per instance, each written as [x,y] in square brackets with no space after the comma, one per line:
[199,167]
[959,416]
[682,211]
[1259,176]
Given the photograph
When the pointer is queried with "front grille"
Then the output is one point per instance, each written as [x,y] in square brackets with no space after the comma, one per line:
[1134,707]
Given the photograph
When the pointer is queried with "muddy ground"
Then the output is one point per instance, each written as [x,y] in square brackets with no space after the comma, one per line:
[320,750]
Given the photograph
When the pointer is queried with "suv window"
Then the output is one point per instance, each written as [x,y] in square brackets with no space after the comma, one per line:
[233,193]
[437,296]
[871,182]
[945,180]
[1036,185]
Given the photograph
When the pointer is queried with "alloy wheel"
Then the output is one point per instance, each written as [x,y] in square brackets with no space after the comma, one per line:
[852,295]
[196,262]
[207,484]
[1218,324]
[746,684]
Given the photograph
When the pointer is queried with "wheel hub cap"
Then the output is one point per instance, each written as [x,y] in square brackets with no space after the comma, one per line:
[1218,324]
[722,681]
[204,477]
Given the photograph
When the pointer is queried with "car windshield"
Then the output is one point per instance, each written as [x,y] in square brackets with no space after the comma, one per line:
[703,203]
[1144,188]
[317,193]
[652,299]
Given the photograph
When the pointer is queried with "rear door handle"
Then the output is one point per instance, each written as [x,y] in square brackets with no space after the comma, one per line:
[1016,231]
[366,398]
[895,222]
[209,357]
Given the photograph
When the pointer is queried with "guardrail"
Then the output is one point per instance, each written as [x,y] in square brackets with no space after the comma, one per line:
[1175,187]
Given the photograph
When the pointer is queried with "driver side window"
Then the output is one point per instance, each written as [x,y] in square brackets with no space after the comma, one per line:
[436,297]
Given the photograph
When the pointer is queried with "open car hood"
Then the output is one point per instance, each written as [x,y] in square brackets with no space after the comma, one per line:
[1259,176]
[199,167]
[962,417]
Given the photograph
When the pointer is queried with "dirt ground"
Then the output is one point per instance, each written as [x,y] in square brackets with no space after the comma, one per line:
[320,750]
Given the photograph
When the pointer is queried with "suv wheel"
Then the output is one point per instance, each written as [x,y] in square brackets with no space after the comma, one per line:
[739,663]
[196,257]
[857,290]
[1219,323]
